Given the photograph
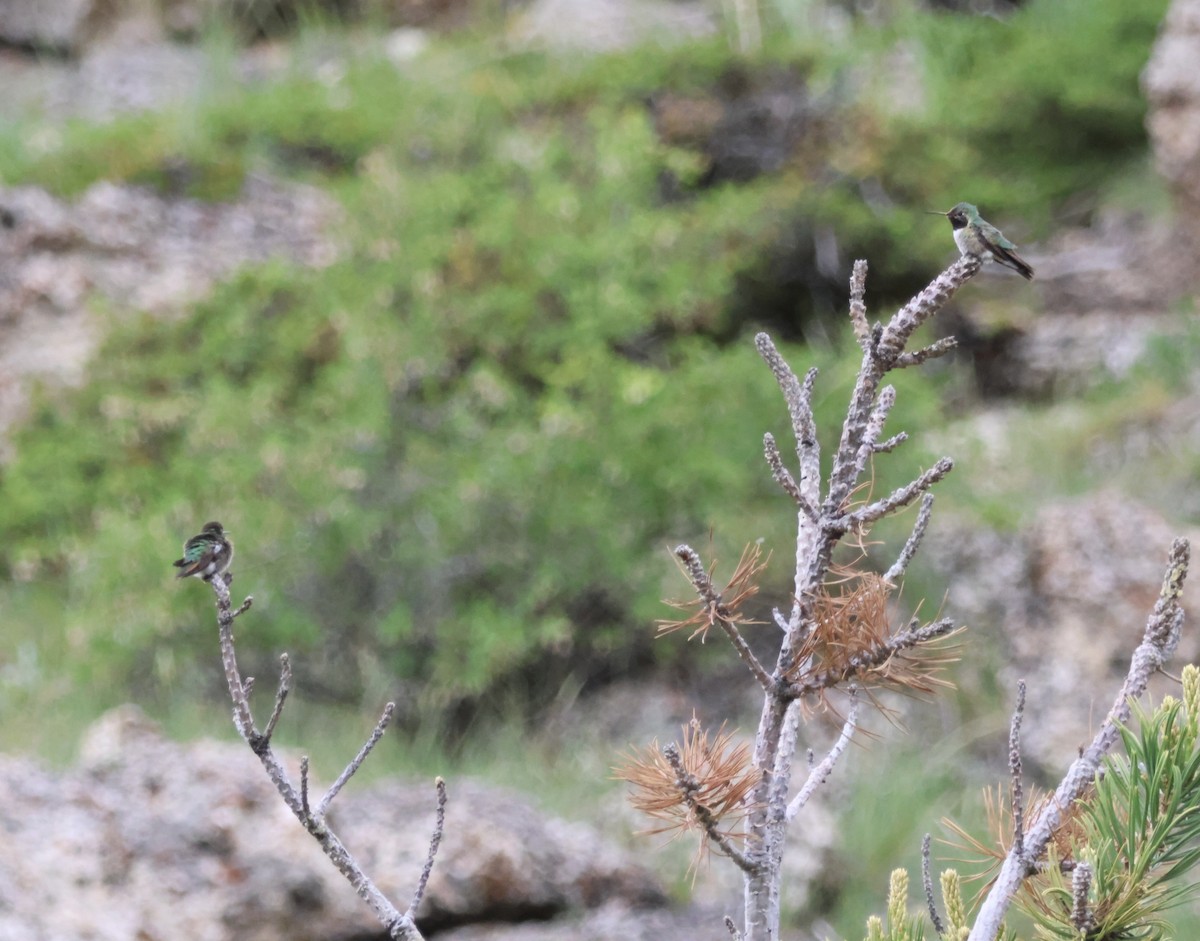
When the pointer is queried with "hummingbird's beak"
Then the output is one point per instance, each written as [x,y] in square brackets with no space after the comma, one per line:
[934,212]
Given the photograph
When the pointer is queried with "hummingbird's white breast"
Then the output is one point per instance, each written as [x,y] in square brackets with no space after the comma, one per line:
[964,243]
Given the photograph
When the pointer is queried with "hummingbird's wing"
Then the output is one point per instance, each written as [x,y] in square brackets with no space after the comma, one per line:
[993,235]
[1002,251]
[191,566]
[196,547]
[198,554]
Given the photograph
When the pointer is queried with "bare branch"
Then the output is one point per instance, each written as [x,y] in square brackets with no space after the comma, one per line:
[399,926]
[820,774]
[285,687]
[891,443]
[688,789]
[902,496]
[348,771]
[900,566]
[1158,643]
[1014,770]
[927,878]
[435,841]
[933,351]
[784,477]
[918,310]
[799,404]
[873,429]
[858,306]
[304,789]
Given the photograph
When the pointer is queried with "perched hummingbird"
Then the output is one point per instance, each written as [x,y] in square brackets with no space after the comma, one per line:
[974,235]
[207,554]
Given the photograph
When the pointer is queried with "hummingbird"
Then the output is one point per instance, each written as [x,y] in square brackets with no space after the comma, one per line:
[206,554]
[974,235]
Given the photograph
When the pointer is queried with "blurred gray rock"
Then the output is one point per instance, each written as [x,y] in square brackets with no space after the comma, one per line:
[150,838]
[136,250]
[60,25]
[1171,83]
[1067,597]
[609,25]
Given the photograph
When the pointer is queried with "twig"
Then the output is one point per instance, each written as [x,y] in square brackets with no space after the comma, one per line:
[719,613]
[870,658]
[891,443]
[798,397]
[900,566]
[784,477]
[858,306]
[732,929]
[281,695]
[933,351]
[399,926]
[933,298]
[308,817]
[1158,644]
[927,878]
[902,496]
[688,788]
[1014,770]
[434,842]
[820,773]
[874,428]
[348,771]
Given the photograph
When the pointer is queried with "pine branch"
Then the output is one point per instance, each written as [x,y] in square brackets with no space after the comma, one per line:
[1158,644]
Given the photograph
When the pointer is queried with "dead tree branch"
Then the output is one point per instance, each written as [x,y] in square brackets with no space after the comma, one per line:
[399,925]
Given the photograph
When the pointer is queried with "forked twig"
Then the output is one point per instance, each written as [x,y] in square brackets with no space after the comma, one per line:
[348,771]
[820,773]
[399,925]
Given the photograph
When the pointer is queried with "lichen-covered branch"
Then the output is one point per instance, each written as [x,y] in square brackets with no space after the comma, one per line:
[900,566]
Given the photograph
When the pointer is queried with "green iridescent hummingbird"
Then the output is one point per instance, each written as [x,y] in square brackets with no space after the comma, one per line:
[206,554]
[974,235]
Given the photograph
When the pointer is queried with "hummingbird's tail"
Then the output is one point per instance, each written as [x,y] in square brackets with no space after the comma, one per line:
[1011,259]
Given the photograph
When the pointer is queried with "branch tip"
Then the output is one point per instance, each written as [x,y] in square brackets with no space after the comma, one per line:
[927,878]
[435,841]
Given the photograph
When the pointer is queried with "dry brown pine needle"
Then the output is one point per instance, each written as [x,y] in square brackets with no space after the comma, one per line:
[712,607]
[718,773]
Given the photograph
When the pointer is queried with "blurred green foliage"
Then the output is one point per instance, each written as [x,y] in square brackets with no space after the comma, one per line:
[453,460]
[1044,100]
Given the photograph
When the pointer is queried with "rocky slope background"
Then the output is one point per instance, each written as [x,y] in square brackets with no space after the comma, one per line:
[445,310]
